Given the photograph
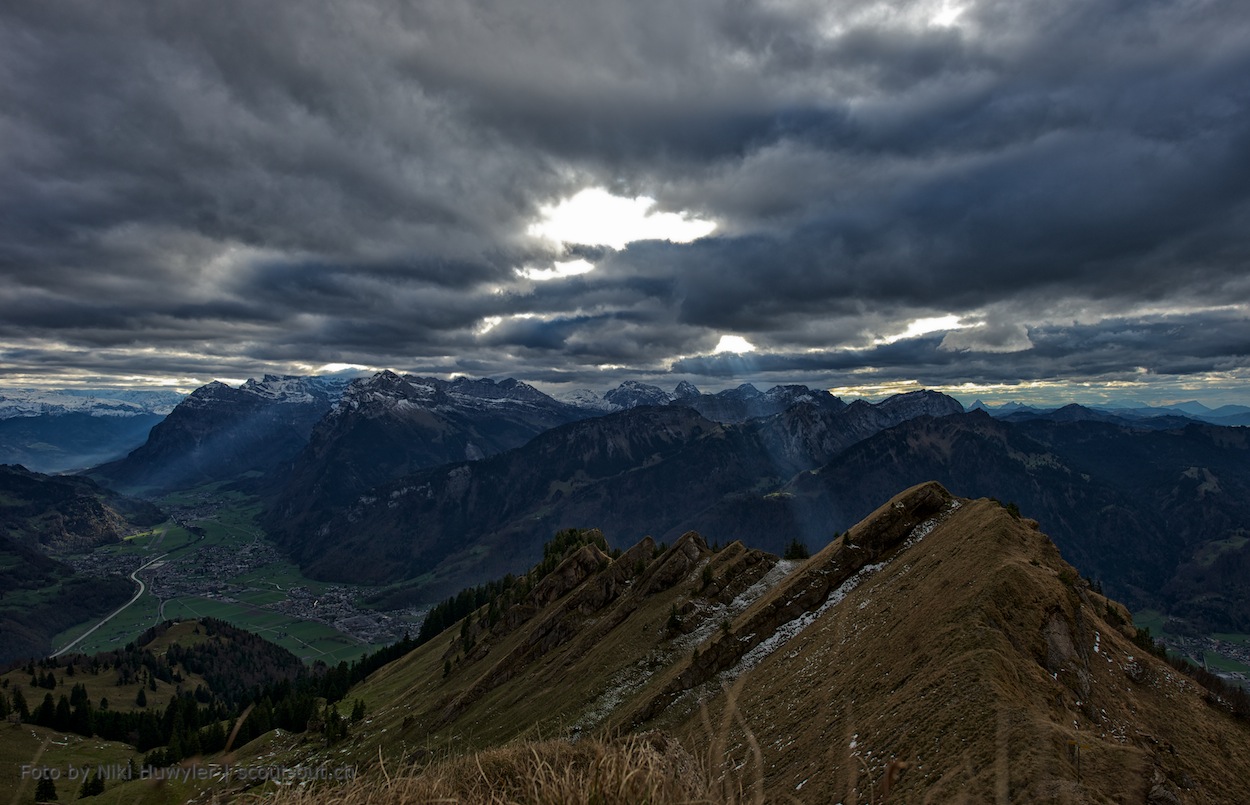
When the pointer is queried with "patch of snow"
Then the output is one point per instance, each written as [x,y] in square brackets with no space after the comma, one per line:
[632,679]
[790,629]
[585,398]
[94,402]
[721,612]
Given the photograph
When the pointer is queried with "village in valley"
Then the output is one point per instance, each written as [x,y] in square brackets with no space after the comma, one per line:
[212,560]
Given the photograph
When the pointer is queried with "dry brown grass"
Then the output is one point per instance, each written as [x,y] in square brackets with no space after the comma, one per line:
[733,784]
[648,768]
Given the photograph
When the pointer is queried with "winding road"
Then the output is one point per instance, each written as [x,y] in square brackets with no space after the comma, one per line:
[134,576]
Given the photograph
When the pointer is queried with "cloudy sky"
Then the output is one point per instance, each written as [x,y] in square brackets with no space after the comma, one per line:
[1014,198]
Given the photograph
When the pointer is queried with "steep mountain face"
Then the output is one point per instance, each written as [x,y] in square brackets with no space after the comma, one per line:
[39,596]
[219,432]
[482,517]
[388,426]
[811,433]
[1158,516]
[590,401]
[659,471]
[66,513]
[939,651]
[747,402]
[731,405]
[632,394]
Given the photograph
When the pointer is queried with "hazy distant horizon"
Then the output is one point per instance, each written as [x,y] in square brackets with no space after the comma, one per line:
[1047,397]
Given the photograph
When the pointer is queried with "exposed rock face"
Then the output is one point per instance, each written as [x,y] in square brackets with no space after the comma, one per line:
[747,402]
[632,394]
[568,575]
[685,390]
[674,565]
[731,405]
[812,433]
[807,588]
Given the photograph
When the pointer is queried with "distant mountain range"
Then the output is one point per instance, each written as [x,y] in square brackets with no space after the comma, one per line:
[932,647]
[1227,415]
[387,426]
[732,405]
[646,470]
[93,402]
[219,432]
[433,484]
[73,429]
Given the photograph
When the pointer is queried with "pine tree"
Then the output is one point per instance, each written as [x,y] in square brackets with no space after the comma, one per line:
[45,791]
[63,718]
[45,716]
[796,550]
[91,786]
[19,704]
[674,620]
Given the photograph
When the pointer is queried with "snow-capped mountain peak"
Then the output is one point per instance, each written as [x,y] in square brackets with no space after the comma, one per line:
[95,402]
[632,393]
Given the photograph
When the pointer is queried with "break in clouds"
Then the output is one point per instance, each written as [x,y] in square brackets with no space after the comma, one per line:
[865,192]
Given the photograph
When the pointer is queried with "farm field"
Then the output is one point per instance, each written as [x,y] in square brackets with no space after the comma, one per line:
[211,559]
[308,640]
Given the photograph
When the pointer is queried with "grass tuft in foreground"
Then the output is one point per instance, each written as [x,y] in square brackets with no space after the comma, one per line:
[647,768]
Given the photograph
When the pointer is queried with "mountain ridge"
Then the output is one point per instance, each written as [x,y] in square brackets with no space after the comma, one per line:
[942,648]
[594,470]
[219,432]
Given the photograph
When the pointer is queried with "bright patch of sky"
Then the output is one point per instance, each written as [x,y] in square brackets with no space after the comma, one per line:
[920,327]
[1213,389]
[569,268]
[595,217]
[334,368]
[948,15]
[733,343]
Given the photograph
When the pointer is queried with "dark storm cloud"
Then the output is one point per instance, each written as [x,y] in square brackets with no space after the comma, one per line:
[1113,349]
[220,189]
